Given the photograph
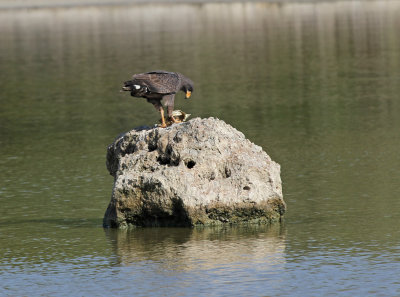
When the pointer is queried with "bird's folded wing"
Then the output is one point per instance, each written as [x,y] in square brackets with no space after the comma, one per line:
[160,82]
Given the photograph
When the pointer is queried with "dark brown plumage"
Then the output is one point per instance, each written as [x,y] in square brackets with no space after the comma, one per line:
[159,88]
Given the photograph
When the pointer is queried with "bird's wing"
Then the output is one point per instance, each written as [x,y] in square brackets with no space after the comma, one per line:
[161,82]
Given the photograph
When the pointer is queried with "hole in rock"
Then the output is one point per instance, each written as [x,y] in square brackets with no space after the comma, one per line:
[152,147]
[167,160]
[246,188]
[227,172]
[163,161]
[190,164]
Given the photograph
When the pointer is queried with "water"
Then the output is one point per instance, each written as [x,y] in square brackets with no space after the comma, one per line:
[315,84]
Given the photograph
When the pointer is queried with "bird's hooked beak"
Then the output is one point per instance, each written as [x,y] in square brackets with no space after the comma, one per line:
[188,94]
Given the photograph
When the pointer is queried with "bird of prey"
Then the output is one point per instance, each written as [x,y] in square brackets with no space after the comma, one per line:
[159,88]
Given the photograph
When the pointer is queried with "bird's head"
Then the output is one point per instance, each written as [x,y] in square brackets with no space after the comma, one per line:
[187,87]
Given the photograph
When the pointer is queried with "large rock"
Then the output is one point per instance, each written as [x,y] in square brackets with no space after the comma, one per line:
[201,172]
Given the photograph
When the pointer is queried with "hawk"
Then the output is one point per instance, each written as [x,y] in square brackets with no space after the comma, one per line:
[159,88]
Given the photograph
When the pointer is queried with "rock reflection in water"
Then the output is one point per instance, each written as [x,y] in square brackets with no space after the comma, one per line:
[183,249]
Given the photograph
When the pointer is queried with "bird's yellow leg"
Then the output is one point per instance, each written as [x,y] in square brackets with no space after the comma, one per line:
[163,124]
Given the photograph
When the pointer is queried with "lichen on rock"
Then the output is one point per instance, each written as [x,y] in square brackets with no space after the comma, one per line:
[200,172]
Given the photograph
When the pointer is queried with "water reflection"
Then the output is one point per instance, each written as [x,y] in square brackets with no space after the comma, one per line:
[292,62]
[314,83]
[182,249]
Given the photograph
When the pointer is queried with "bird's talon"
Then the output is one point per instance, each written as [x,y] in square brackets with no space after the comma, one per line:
[175,120]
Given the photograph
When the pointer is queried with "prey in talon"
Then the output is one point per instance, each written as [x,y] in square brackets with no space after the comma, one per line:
[159,88]
[179,116]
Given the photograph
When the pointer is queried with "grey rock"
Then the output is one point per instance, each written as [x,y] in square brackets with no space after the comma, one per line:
[200,172]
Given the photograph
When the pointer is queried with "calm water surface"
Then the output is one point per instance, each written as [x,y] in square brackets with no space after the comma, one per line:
[315,84]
